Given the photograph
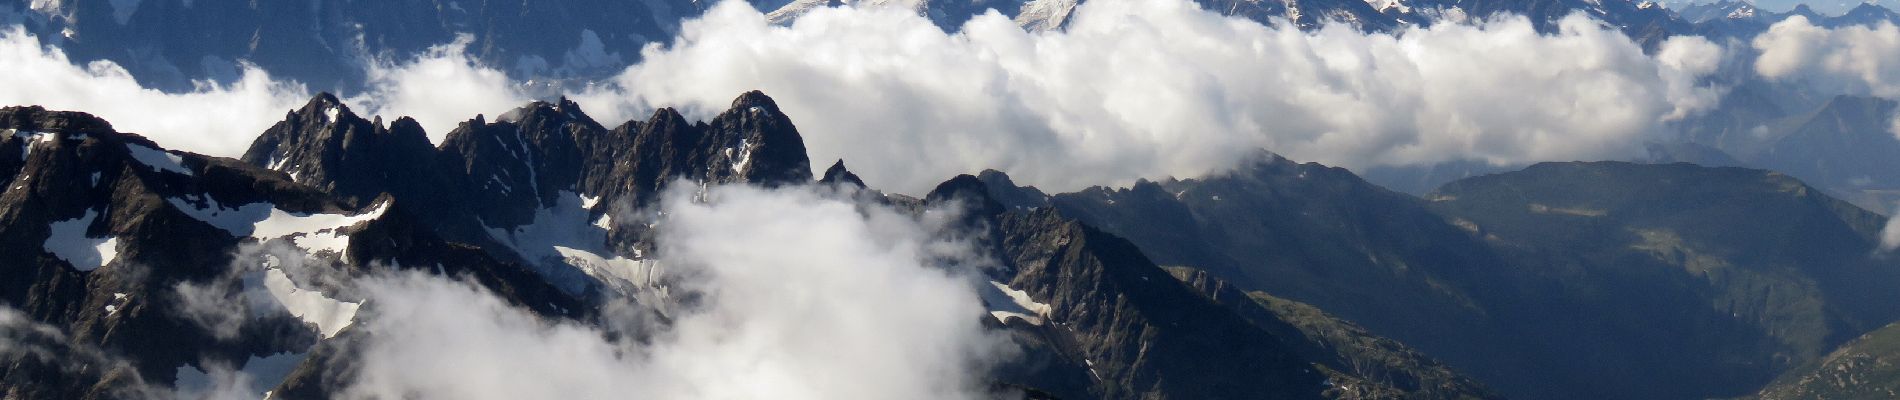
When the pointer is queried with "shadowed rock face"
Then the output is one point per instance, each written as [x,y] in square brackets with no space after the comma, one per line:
[1362,364]
[1140,333]
[330,147]
[1144,334]
[1117,326]
[65,166]
[1762,270]
[100,290]
[1588,279]
[1545,282]
[837,174]
[1866,368]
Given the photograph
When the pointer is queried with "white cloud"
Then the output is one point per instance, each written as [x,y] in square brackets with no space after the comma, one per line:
[204,120]
[1145,88]
[1855,59]
[798,296]
[1133,88]
[255,285]
[439,88]
[1890,233]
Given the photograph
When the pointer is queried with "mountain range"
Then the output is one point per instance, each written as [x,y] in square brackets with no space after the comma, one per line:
[1741,258]
[1279,279]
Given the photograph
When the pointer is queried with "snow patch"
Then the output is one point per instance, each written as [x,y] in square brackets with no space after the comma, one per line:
[47,7]
[69,242]
[263,221]
[265,372]
[745,157]
[159,160]
[330,316]
[569,247]
[629,275]
[118,298]
[29,140]
[1383,5]
[1045,15]
[1005,302]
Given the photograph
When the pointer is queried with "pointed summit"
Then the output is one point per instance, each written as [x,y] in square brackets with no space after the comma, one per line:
[755,98]
[967,188]
[764,146]
[326,145]
[325,106]
[1803,10]
[837,174]
[1007,192]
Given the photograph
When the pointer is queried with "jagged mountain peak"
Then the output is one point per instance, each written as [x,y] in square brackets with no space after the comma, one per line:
[966,188]
[325,144]
[1011,195]
[562,111]
[754,98]
[1805,11]
[837,174]
[38,118]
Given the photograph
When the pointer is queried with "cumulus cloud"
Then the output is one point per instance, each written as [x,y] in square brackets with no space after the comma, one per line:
[439,88]
[205,120]
[1855,59]
[796,295]
[1145,88]
[1133,88]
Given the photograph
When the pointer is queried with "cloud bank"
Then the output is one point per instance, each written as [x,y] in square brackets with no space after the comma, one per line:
[1147,88]
[790,293]
[1134,88]
[440,88]
[797,295]
[205,120]
[1131,90]
[1858,59]
[1855,59]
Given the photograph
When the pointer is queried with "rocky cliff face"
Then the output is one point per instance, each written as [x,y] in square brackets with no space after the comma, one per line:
[1362,364]
[1141,333]
[1633,256]
[101,227]
[108,238]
